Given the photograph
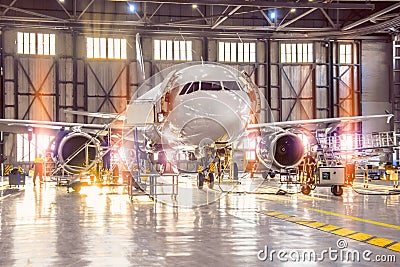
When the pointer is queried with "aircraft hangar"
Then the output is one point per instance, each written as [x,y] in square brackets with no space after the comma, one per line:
[223,133]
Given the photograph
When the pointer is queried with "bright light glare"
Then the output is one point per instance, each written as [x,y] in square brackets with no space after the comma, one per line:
[194,6]
[292,10]
[273,15]
[304,140]
[347,142]
[132,8]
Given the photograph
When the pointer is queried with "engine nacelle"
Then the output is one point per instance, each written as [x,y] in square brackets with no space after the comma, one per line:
[280,149]
[78,152]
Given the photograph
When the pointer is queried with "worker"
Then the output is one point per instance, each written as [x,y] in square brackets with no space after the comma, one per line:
[2,158]
[38,166]
[211,170]
[200,177]
[107,153]
[57,140]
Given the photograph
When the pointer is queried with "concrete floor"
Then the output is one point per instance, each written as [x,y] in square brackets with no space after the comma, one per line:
[46,226]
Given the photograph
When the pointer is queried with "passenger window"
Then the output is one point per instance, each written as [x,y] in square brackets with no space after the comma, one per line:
[211,86]
[231,85]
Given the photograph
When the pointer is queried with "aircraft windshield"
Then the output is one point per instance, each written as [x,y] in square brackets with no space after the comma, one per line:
[209,86]
[189,88]
[231,85]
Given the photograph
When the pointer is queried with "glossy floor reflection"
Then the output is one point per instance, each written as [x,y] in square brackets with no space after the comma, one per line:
[46,226]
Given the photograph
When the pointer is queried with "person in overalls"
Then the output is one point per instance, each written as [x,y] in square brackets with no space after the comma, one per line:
[38,166]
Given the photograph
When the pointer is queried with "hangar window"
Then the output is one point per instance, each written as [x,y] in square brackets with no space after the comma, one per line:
[236,52]
[27,151]
[36,43]
[297,53]
[345,53]
[106,48]
[173,50]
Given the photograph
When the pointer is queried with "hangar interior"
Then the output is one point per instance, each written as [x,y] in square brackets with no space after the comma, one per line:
[314,60]
[310,59]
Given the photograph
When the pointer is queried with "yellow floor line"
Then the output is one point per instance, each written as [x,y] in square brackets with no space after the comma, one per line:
[360,236]
[329,228]
[356,218]
[315,224]
[343,232]
[380,242]
[395,247]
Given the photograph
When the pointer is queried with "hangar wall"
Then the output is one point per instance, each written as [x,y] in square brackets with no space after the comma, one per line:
[41,88]
[376,84]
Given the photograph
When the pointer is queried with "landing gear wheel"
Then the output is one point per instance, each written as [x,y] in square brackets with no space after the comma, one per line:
[306,189]
[337,190]
[200,180]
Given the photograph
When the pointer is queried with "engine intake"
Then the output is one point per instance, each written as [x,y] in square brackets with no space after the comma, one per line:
[281,149]
[78,152]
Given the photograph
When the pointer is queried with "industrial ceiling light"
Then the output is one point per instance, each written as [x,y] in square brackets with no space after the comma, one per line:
[292,10]
[194,6]
[273,15]
[131,8]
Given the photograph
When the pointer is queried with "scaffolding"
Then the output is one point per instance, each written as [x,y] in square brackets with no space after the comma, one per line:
[359,142]
[144,177]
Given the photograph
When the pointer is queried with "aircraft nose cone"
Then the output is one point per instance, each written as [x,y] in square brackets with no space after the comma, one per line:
[221,119]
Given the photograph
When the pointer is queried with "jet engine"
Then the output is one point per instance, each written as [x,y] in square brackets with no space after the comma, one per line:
[78,152]
[280,149]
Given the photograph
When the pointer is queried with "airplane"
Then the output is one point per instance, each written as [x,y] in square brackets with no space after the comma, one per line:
[193,108]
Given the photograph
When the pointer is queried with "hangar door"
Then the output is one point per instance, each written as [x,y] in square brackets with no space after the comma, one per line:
[314,80]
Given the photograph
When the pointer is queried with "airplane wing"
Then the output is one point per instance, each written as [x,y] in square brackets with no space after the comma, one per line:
[20,126]
[319,122]
[101,115]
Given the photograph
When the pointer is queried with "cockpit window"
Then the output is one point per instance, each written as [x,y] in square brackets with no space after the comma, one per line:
[185,88]
[189,88]
[211,86]
[231,85]
[195,87]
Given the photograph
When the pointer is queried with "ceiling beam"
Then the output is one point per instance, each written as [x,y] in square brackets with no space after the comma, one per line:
[280,27]
[6,10]
[372,17]
[225,17]
[262,4]
[63,8]
[30,12]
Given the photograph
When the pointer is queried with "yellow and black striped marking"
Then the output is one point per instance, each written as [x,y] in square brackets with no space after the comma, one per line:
[337,230]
